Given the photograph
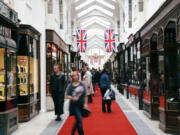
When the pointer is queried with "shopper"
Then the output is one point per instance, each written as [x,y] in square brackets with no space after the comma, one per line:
[87,80]
[76,92]
[57,90]
[104,85]
[93,80]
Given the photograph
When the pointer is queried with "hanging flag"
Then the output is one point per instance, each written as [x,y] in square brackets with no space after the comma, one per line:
[91,61]
[81,36]
[95,58]
[110,44]
[99,61]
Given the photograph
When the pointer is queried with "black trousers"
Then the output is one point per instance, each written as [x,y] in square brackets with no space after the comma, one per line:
[57,105]
[107,102]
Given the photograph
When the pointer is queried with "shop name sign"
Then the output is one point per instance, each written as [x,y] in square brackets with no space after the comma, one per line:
[8,13]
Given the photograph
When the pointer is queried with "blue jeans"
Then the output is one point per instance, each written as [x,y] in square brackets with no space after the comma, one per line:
[78,124]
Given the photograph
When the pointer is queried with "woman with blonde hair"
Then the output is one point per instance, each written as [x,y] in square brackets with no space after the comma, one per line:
[76,92]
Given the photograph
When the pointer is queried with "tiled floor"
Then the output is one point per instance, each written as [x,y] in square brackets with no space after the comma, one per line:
[45,124]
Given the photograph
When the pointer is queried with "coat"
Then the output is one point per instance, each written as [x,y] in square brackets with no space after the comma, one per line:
[57,89]
[87,80]
[105,81]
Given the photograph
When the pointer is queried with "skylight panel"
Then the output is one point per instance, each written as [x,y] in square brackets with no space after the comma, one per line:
[97,19]
[91,1]
[95,7]
[106,4]
[84,4]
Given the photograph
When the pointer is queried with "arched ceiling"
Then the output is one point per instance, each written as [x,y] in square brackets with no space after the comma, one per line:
[95,16]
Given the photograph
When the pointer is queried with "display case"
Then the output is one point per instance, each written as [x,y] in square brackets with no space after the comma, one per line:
[28,78]
[8,74]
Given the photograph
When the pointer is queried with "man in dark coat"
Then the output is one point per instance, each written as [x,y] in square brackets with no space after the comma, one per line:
[57,89]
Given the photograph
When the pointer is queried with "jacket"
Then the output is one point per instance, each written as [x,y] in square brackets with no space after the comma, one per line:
[105,81]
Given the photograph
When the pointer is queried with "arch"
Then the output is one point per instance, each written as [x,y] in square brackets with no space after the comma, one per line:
[178,27]
[170,33]
[153,42]
[160,38]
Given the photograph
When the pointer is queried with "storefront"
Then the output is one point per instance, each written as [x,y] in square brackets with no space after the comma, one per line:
[121,67]
[161,66]
[28,70]
[8,74]
[130,69]
[55,54]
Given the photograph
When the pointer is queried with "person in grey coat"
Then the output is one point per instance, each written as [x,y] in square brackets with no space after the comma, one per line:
[57,90]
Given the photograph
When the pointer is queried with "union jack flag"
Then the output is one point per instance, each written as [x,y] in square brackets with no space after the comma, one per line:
[110,44]
[81,36]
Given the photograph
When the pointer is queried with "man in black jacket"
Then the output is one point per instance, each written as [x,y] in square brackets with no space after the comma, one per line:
[57,89]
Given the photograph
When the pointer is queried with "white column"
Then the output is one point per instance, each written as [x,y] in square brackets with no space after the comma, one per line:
[43,62]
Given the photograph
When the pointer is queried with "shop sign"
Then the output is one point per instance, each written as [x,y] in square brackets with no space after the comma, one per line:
[8,13]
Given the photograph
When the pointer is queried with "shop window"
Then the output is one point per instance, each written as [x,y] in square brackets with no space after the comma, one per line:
[50,6]
[2,74]
[160,39]
[61,13]
[141,5]
[130,13]
[178,28]
[7,79]
[171,60]
[23,46]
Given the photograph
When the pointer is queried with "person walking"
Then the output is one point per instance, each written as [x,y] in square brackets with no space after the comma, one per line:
[76,92]
[57,90]
[93,80]
[87,80]
[104,85]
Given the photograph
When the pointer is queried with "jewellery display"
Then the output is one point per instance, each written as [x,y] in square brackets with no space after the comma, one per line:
[22,79]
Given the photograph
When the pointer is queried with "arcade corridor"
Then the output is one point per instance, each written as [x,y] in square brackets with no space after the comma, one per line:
[90,67]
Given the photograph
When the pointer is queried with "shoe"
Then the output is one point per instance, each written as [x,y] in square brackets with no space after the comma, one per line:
[109,111]
[58,118]
[104,111]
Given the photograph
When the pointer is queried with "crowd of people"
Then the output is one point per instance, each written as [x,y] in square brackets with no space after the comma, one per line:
[80,92]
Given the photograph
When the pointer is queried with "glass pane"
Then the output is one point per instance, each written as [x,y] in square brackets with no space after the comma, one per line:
[34,71]
[2,74]
[22,80]
[11,77]
[161,72]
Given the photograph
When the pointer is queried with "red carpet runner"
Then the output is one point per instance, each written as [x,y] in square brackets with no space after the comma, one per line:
[99,123]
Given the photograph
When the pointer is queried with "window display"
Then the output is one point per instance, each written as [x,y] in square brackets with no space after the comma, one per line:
[2,74]
[7,59]
[28,73]
[22,81]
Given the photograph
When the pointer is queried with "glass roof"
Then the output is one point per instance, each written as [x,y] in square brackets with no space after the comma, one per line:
[97,19]
[95,16]
[87,2]
[95,7]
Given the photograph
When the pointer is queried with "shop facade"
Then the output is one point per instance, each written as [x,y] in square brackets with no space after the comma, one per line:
[8,73]
[160,63]
[149,67]
[28,70]
[55,54]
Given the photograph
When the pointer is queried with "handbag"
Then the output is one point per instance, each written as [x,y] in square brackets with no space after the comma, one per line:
[109,95]
[85,112]
[112,95]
